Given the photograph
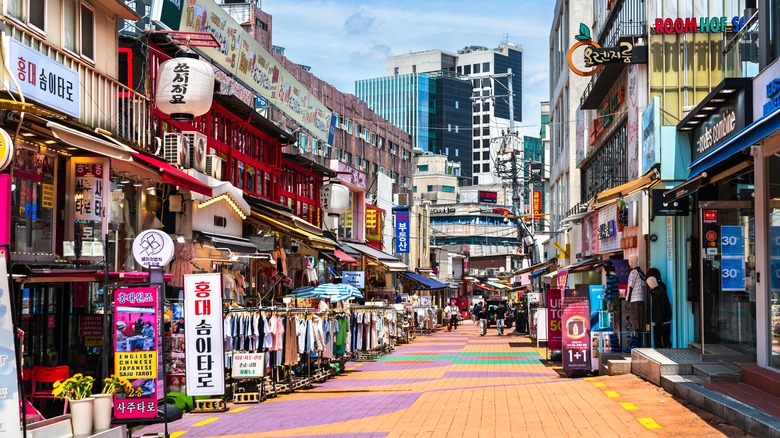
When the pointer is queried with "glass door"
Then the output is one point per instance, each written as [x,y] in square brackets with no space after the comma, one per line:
[728,301]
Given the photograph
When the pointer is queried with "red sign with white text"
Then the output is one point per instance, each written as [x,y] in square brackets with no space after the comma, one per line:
[710,216]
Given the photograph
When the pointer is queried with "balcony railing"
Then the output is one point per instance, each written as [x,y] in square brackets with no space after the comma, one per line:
[105,103]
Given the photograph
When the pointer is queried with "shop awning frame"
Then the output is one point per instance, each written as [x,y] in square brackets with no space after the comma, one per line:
[234,244]
[344,257]
[497,285]
[383,258]
[537,267]
[646,181]
[428,283]
[89,142]
[172,175]
[686,188]
[588,264]
[311,239]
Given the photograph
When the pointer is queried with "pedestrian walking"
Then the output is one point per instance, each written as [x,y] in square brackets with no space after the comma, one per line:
[451,314]
[500,315]
[482,315]
[475,311]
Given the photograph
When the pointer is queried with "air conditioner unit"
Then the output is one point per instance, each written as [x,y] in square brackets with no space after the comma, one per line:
[403,199]
[198,149]
[213,166]
[175,149]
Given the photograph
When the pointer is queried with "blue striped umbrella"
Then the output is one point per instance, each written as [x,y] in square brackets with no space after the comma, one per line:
[304,292]
[333,290]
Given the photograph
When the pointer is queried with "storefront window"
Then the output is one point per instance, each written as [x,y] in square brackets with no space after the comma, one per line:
[773,210]
[33,202]
[347,220]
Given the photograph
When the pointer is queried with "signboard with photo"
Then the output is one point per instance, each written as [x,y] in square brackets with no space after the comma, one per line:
[575,330]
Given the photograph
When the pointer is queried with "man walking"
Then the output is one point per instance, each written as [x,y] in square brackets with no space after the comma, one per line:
[500,315]
[451,313]
[475,311]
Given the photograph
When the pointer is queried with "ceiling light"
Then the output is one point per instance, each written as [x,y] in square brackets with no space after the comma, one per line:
[693,122]
[686,128]
[151,188]
[708,108]
[28,134]
[137,184]
[700,116]
[717,100]
[126,181]
[50,141]
[728,90]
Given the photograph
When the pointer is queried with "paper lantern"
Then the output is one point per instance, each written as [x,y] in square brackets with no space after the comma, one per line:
[185,87]
[334,198]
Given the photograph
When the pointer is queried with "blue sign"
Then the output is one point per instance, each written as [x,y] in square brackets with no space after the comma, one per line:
[732,274]
[732,241]
[332,129]
[774,266]
[774,241]
[599,317]
[401,232]
[772,96]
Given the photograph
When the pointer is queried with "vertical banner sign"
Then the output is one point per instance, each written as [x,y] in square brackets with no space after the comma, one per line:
[402,232]
[732,267]
[10,425]
[136,350]
[554,313]
[599,317]
[575,327]
[89,191]
[537,202]
[203,334]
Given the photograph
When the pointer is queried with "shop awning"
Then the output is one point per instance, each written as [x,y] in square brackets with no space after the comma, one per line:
[234,244]
[649,179]
[89,142]
[383,258]
[588,264]
[428,283]
[343,257]
[536,267]
[551,274]
[685,188]
[172,175]
[497,285]
[313,240]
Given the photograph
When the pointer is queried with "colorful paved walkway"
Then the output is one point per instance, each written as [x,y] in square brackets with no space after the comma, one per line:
[456,384]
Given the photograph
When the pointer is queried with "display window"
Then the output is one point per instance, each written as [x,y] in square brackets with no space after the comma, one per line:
[33,202]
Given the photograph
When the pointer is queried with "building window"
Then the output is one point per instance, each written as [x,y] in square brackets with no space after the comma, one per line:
[485,67]
[69,25]
[486,143]
[457,129]
[414,189]
[486,130]
[486,106]
[486,118]
[485,167]
[476,168]
[457,104]
[449,127]
[466,69]
[336,154]
[38,14]
[87,31]
[485,155]
[477,68]
[457,152]
[422,168]
[430,188]
[448,189]
[475,155]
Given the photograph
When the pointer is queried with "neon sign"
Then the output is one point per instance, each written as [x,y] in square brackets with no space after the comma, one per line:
[673,26]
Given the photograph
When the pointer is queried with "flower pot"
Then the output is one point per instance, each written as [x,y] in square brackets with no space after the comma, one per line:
[81,415]
[103,409]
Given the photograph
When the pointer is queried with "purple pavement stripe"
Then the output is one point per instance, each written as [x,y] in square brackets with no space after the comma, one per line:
[353,383]
[403,365]
[493,374]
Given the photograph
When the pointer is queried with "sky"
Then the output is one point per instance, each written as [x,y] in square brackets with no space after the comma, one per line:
[345,40]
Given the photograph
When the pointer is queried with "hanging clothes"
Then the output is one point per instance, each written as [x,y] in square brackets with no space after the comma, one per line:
[290,341]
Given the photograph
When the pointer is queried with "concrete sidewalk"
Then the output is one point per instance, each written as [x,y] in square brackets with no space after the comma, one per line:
[459,384]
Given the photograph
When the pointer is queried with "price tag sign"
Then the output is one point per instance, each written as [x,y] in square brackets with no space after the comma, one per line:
[732,241]
[248,365]
[732,273]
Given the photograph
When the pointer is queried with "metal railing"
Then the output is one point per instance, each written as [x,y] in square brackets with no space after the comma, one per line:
[105,103]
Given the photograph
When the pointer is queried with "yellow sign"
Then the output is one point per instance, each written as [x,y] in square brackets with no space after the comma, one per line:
[136,364]
[561,249]
[47,200]
[93,341]
[371,218]
[6,149]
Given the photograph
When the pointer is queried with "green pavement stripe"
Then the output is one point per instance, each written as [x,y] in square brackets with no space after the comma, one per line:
[432,357]
[499,362]
[500,353]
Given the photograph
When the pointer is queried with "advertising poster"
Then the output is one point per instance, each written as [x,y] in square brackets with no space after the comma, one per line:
[554,313]
[575,329]
[10,426]
[732,246]
[203,334]
[136,350]
[599,317]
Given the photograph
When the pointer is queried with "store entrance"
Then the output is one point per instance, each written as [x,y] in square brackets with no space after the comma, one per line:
[728,291]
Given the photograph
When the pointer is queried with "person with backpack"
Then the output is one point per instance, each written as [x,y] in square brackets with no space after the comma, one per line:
[500,315]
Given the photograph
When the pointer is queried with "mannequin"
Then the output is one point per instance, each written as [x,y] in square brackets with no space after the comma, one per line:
[661,310]
[612,295]
[636,301]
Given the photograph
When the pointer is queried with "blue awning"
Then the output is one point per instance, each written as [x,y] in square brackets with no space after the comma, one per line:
[539,273]
[745,138]
[428,283]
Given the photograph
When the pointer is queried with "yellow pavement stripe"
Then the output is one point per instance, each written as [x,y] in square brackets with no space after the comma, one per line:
[611,394]
[206,421]
[358,364]
[649,423]
[588,379]
[599,385]
[239,409]
[350,368]
[178,433]
[629,406]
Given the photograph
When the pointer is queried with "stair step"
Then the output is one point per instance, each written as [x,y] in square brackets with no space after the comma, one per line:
[762,378]
[724,372]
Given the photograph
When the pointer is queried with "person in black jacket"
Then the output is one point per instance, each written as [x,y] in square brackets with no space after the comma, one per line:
[661,310]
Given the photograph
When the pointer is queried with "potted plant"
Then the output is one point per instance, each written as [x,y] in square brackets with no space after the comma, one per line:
[104,402]
[77,390]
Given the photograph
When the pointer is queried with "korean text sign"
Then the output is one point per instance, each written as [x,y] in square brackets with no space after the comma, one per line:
[203,334]
[402,232]
[136,350]
[575,330]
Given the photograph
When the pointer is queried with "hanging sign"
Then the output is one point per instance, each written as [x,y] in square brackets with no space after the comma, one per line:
[710,216]
[248,366]
[537,201]
[10,426]
[402,232]
[203,334]
[486,197]
[185,87]
[6,149]
[554,313]
[576,328]
[595,56]
[89,190]
[136,350]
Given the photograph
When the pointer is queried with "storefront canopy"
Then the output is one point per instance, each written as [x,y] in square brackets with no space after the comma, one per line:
[383,258]
[588,264]
[536,267]
[497,285]
[286,222]
[649,179]
[173,175]
[344,257]
[234,244]
[427,283]
[89,142]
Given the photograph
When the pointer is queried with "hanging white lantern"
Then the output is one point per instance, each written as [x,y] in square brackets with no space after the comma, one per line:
[185,87]
[334,198]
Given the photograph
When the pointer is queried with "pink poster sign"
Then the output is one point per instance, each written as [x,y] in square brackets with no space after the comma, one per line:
[136,350]
[554,313]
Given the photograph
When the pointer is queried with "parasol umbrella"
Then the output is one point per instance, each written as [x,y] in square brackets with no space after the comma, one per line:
[334,290]
[304,292]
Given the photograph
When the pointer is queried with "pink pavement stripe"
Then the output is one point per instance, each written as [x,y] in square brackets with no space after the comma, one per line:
[341,435]
[402,365]
[493,374]
[354,383]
